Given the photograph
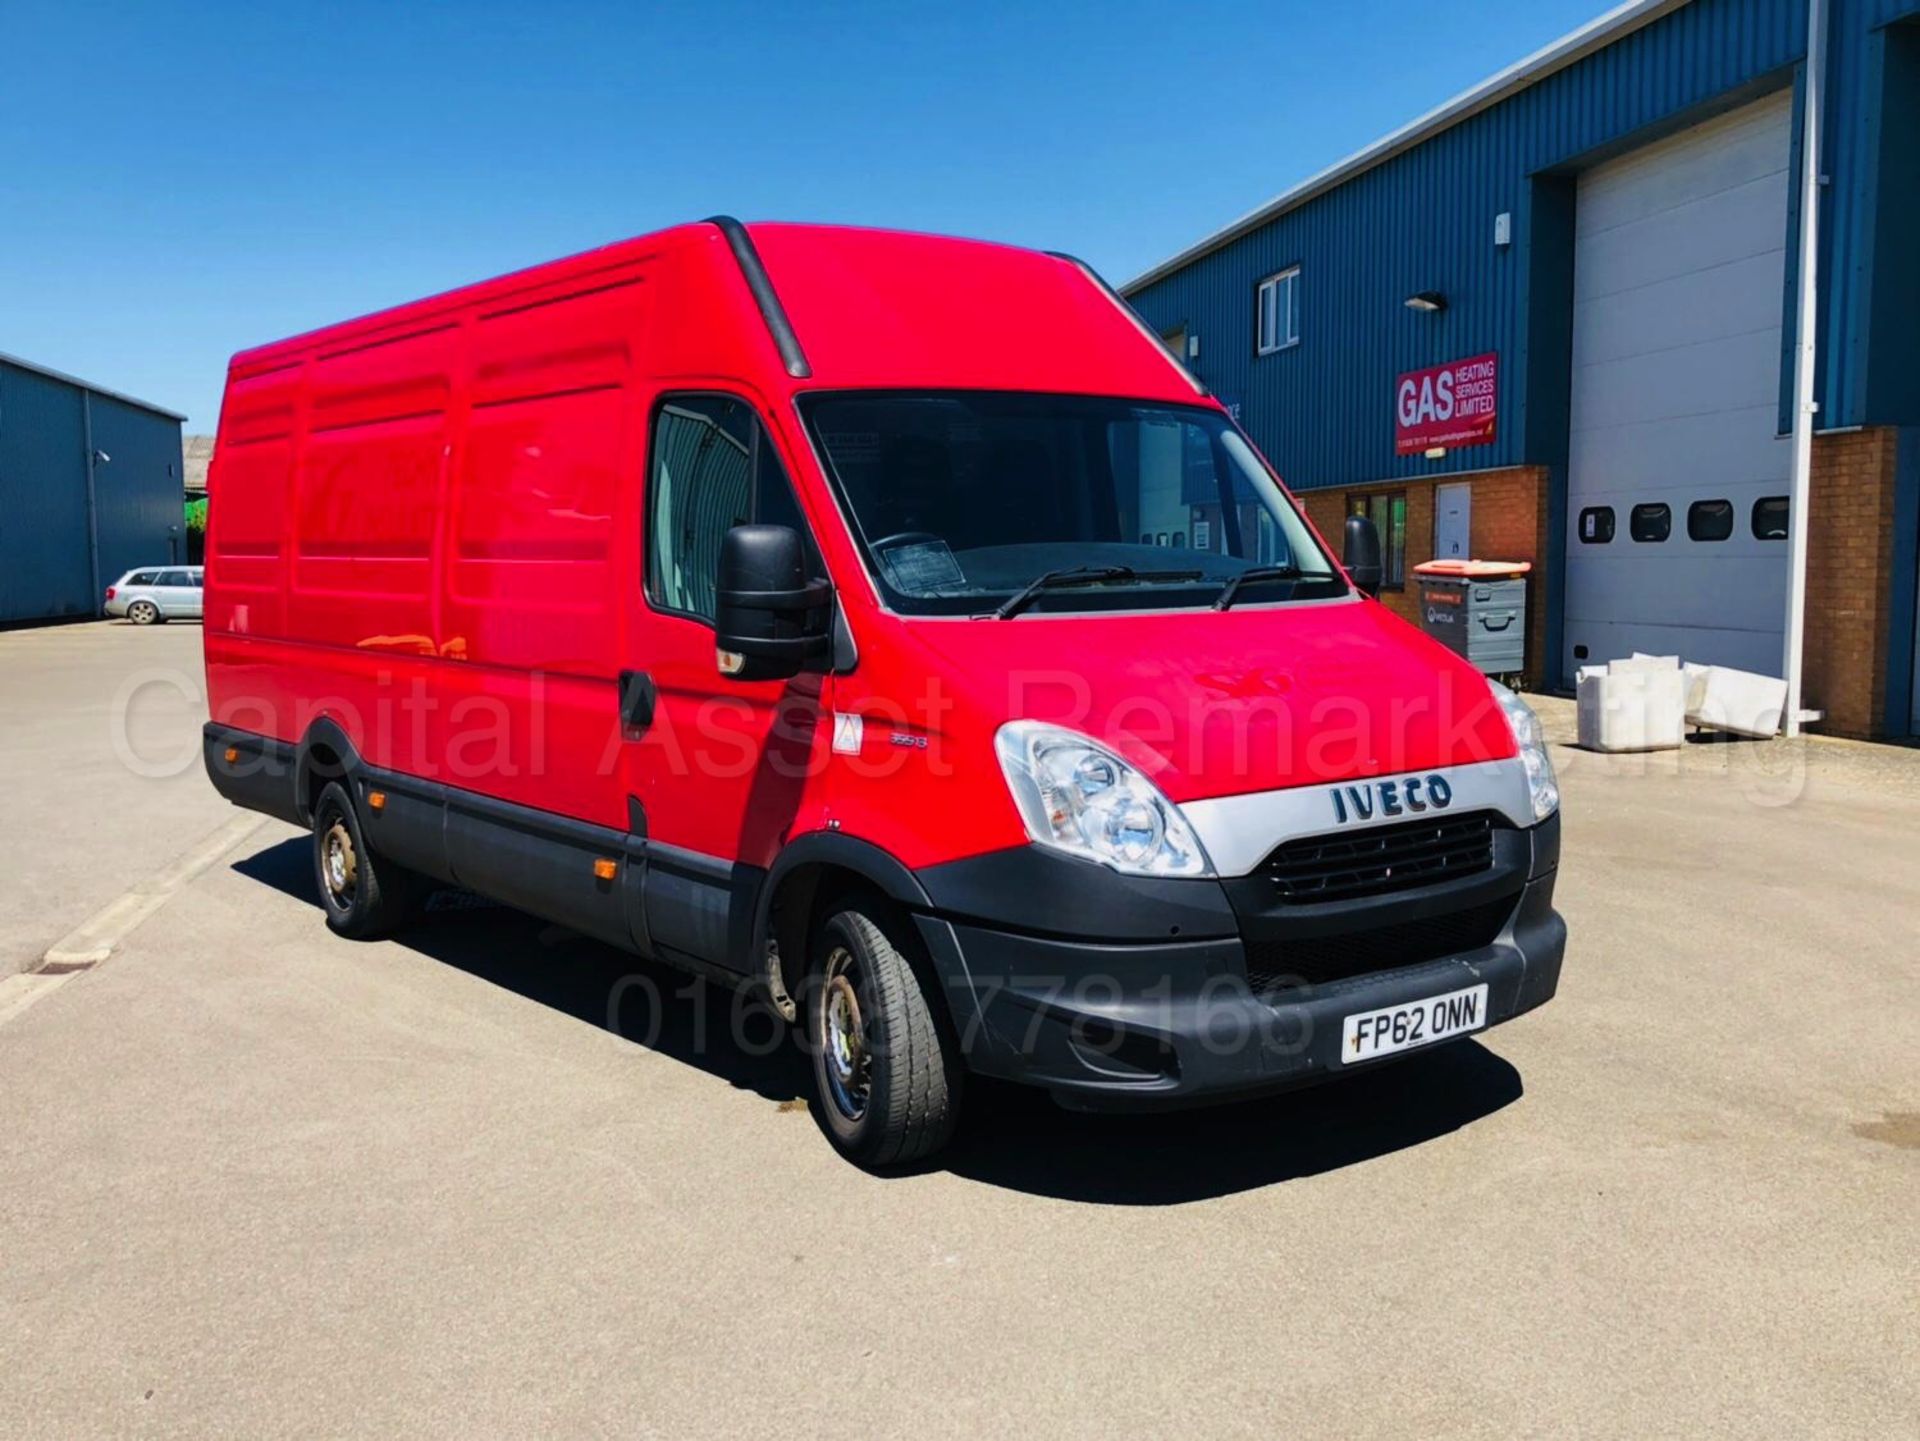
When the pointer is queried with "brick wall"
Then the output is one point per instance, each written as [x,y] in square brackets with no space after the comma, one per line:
[1849,561]
[1509,523]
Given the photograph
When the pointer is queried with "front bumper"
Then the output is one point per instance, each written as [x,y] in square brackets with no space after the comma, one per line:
[1170,1010]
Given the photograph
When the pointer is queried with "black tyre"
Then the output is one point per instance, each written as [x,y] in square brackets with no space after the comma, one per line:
[143,612]
[363,895]
[887,1071]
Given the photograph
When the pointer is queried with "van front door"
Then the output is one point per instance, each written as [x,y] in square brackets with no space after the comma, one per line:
[714,767]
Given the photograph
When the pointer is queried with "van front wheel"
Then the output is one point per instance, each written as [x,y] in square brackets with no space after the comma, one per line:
[364,896]
[888,1076]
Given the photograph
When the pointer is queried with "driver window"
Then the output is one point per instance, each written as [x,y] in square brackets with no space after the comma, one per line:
[714,467]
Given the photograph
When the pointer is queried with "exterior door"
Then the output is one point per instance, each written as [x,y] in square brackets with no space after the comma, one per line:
[1453,521]
[1675,457]
[714,766]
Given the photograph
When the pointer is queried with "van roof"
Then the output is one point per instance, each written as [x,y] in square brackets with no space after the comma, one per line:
[869,308]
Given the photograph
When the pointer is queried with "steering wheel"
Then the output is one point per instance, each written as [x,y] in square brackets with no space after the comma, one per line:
[903,537]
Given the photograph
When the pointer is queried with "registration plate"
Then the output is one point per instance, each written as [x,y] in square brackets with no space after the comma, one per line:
[1372,1034]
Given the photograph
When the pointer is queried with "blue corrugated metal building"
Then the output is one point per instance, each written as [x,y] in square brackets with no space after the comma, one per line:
[90,487]
[1612,223]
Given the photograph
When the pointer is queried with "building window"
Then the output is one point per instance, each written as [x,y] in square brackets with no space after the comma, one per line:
[1389,516]
[1710,520]
[1278,311]
[1596,525]
[1650,521]
[1770,518]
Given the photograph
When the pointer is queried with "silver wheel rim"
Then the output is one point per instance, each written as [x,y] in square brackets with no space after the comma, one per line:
[338,864]
[846,1059]
[142,612]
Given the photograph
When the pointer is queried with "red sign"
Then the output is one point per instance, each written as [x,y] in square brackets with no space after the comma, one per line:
[1446,405]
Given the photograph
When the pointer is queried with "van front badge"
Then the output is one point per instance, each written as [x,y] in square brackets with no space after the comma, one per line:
[1390,798]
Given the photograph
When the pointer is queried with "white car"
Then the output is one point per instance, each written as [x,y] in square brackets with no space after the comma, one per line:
[157,592]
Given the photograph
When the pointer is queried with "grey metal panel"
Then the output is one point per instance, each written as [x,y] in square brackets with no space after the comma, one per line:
[1740,295]
[44,569]
[138,492]
[1743,650]
[1717,227]
[79,384]
[1665,454]
[1679,263]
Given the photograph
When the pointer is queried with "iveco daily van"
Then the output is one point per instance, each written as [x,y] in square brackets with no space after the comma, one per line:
[883,624]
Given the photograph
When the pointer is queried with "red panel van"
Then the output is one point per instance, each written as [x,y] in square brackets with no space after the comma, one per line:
[883,623]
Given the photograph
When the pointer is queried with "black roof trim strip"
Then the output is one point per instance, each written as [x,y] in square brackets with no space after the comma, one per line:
[784,340]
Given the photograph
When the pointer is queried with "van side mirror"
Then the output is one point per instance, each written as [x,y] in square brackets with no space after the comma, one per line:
[1362,557]
[769,619]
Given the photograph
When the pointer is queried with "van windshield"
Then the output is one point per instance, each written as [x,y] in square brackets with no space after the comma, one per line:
[963,500]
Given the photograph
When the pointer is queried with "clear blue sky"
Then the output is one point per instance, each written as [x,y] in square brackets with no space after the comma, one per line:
[179,181]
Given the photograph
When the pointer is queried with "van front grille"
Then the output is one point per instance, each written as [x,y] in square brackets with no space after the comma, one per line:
[1284,965]
[1380,861]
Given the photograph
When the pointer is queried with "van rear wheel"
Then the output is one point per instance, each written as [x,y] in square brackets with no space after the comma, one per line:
[364,896]
[887,1073]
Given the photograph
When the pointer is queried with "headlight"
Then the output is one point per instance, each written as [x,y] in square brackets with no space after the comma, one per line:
[1077,796]
[1542,786]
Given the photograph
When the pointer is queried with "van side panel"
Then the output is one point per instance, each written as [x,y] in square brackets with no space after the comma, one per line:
[540,549]
[248,530]
[368,493]
[425,533]
[531,568]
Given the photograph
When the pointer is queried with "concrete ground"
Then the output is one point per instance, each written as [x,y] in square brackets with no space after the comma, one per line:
[100,768]
[492,1179]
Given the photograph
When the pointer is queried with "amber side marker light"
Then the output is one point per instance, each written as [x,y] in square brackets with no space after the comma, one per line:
[233,754]
[376,800]
[604,869]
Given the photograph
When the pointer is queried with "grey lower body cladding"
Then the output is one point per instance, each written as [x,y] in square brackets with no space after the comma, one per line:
[1108,990]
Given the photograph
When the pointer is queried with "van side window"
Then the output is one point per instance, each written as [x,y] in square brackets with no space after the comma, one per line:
[713,468]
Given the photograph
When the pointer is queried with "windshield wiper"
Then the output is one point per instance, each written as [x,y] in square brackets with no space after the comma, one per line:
[1266,572]
[1082,575]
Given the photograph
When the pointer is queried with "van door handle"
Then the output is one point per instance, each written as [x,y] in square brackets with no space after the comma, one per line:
[637,696]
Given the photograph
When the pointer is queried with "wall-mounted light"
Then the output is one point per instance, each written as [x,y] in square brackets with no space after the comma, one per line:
[100,457]
[1428,300]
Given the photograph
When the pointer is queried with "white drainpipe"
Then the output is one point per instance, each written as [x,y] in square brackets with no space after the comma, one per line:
[1805,407]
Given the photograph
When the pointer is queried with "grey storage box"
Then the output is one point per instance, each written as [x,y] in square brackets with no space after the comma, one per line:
[1483,620]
